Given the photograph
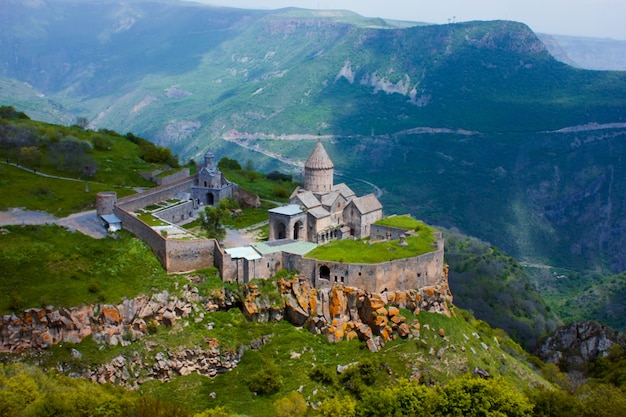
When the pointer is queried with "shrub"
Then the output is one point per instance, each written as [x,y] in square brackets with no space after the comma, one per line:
[293,405]
[227,163]
[279,176]
[322,375]
[266,381]
[280,192]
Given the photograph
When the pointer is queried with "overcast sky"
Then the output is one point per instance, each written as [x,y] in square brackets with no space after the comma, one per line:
[594,18]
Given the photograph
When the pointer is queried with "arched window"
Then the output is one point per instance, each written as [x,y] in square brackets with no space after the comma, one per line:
[324,272]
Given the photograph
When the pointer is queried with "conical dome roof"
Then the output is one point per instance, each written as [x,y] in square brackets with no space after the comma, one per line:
[319,158]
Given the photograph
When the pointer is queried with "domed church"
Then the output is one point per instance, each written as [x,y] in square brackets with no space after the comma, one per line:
[320,211]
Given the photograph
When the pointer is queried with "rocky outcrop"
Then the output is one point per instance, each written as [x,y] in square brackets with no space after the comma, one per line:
[208,360]
[345,313]
[39,328]
[577,344]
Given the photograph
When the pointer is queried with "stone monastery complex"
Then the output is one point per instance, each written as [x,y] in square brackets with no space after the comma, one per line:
[317,213]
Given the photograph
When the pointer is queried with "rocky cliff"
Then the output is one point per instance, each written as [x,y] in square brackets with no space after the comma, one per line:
[577,344]
[339,313]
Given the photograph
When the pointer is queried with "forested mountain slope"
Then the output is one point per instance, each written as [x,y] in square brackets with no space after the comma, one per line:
[471,125]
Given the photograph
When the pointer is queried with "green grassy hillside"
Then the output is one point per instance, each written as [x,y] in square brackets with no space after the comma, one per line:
[261,85]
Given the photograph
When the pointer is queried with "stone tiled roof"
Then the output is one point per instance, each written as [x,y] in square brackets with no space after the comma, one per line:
[329,198]
[306,199]
[345,191]
[319,212]
[319,158]
[367,204]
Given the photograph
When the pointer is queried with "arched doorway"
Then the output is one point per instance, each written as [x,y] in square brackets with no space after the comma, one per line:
[296,230]
[210,199]
[324,272]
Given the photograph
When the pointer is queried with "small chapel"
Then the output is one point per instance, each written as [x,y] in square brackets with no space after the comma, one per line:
[211,185]
[321,211]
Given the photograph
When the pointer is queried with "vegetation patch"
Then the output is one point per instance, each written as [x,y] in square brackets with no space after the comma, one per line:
[366,252]
[406,223]
[48,265]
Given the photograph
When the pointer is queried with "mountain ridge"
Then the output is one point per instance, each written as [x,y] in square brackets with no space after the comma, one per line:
[201,76]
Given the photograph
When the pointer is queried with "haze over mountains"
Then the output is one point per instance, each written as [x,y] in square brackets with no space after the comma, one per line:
[470,125]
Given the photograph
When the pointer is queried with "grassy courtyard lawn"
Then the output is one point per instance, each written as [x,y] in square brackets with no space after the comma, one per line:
[364,252]
[405,222]
[55,196]
[49,265]
[250,216]
[259,184]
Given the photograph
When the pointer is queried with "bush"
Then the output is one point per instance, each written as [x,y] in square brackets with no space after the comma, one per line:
[293,405]
[279,176]
[322,375]
[227,163]
[266,381]
[280,192]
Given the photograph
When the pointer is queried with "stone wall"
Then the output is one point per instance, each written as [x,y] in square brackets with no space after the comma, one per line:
[170,179]
[227,266]
[189,255]
[143,232]
[177,213]
[174,255]
[156,195]
[399,275]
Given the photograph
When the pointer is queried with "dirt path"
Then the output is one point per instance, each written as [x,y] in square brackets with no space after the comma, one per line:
[85,222]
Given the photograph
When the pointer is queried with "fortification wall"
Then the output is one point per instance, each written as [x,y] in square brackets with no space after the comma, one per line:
[156,195]
[227,266]
[188,255]
[144,232]
[105,201]
[399,275]
[174,255]
[177,213]
[170,179]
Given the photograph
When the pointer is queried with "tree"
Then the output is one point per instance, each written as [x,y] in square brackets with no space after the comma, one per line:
[337,407]
[30,156]
[214,412]
[291,405]
[82,122]
[227,163]
[470,396]
[212,221]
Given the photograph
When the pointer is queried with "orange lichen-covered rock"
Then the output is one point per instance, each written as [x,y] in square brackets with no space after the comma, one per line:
[250,307]
[386,333]
[394,311]
[376,301]
[352,335]
[313,300]
[404,331]
[110,315]
[397,319]
[380,321]
[337,302]
[339,334]
[381,311]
